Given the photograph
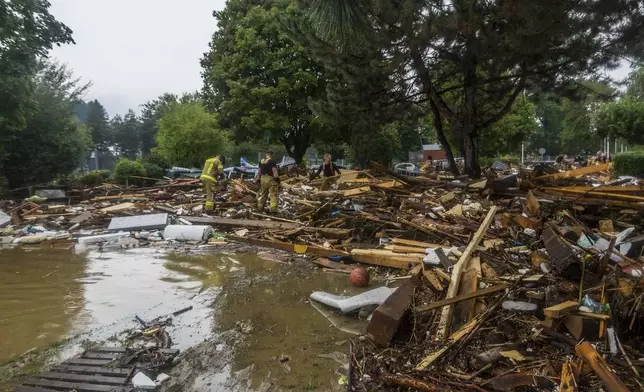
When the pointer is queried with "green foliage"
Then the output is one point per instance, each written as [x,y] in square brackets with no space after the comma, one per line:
[126,134]
[382,146]
[630,164]
[188,135]
[153,170]
[258,81]
[126,168]
[506,135]
[636,84]
[94,178]
[97,122]
[150,115]
[622,119]
[27,32]
[51,141]
[156,159]
[468,61]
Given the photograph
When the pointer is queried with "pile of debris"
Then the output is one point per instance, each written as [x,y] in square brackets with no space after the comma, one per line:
[527,279]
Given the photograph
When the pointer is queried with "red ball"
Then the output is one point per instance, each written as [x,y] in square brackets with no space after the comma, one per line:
[359,277]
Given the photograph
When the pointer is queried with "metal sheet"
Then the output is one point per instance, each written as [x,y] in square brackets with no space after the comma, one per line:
[139,222]
[4,219]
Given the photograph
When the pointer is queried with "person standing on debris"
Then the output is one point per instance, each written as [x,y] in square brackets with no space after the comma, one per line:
[269,181]
[213,171]
[328,167]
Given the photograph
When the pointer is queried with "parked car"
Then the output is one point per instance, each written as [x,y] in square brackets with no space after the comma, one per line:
[406,169]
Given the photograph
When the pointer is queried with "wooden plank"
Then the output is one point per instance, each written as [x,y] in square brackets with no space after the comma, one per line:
[430,275]
[386,320]
[87,362]
[110,356]
[577,172]
[68,386]
[404,249]
[600,367]
[452,290]
[568,381]
[118,207]
[24,388]
[453,300]
[104,371]
[560,310]
[464,310]
[249,223]
[91,379]
[598,193]
[269,225]
[416,244]
[386,258]
[288,247]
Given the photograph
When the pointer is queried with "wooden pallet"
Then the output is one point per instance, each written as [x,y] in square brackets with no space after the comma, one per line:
[93,371]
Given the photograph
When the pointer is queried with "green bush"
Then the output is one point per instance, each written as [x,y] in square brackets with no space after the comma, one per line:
[94,178]
[630,164]
[126,168]
[153,170]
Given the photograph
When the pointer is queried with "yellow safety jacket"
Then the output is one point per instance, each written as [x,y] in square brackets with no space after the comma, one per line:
[211,168]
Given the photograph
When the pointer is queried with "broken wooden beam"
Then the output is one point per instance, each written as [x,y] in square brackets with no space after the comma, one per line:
[464,297]
[387,318]
[560,310]
[452,290]
[601,368]
[271,225]
[577,172]
[386,258]
[288,247]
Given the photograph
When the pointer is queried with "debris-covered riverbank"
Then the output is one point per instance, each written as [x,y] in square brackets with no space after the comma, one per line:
[528,279]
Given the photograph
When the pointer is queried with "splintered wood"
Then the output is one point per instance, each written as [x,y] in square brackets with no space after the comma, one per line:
[452,290]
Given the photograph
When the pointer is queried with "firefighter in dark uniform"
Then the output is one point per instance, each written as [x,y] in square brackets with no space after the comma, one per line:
[269,181]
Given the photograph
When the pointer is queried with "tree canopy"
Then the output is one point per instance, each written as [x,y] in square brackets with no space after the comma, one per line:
[258,80]
[472,59]
[188,135]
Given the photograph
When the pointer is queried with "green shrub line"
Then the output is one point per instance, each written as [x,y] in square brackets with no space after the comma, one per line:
[630,164]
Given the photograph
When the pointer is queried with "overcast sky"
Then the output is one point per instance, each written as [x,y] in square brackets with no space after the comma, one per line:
[135,50]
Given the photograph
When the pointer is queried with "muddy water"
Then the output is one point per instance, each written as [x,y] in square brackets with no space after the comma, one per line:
[47,296]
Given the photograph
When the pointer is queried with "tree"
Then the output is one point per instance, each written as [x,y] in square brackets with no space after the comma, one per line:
[636,84]
[97,122]
[27,32]
[258,81]
[505,136]
[126,134]
[472,59]
[52,141]
[188,135]
[622,119]
[151,113]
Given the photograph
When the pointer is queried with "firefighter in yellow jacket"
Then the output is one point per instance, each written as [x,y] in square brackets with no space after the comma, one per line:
[269,181]
[213,171]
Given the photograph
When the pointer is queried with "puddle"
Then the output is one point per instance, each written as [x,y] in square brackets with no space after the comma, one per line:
[250,314]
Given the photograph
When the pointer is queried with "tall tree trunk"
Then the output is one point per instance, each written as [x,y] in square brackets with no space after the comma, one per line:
[440,134]
[470,151]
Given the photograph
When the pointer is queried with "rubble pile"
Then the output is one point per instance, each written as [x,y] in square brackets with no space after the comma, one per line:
[524,280]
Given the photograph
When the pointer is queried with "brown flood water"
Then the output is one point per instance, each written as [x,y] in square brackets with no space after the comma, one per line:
[50,295]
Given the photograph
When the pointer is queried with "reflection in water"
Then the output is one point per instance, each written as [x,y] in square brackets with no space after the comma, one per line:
[40,295]
[49,294]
